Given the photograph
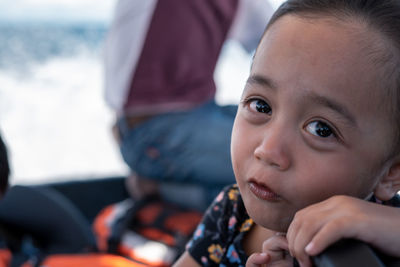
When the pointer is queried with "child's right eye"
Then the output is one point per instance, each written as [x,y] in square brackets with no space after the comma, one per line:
[260,106]
[321,129]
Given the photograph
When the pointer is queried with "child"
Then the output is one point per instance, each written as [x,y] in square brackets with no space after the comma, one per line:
[315,135]
[4,168]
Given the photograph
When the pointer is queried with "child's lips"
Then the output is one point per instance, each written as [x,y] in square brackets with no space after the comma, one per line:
[263,192]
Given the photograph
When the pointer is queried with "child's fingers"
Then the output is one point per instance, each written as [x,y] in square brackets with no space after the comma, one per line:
[275,245]
[306,224]
[369,222]
[329,234]
[298,243]
[257,259]
[278,249]
[318,226]
[300,233]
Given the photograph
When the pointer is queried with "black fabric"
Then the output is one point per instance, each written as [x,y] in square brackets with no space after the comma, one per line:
[348,253]
[218,239]
[90,195]
[44,215]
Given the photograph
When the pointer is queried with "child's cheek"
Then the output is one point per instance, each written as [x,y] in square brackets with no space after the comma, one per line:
[319,181]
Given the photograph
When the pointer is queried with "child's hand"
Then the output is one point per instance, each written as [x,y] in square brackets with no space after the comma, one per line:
[274,253]
[316,227]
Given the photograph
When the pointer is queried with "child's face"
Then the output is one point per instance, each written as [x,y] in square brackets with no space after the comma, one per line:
[312,123]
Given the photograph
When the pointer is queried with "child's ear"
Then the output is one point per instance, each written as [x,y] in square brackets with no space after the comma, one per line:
[389,184]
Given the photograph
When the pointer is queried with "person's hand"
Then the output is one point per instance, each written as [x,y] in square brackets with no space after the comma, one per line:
[274,253]
[316,227]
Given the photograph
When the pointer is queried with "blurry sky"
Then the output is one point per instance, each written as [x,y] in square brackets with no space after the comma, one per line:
[56,10]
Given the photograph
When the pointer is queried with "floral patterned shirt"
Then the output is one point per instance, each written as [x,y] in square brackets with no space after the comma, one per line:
[217,240]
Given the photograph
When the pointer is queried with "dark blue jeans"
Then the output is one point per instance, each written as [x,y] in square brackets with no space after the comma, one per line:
[187,152]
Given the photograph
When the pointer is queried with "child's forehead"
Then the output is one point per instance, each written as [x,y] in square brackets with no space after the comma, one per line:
[327,48]
[352,37]
[313,33]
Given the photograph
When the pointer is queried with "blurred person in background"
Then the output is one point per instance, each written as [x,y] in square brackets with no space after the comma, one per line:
[160,58]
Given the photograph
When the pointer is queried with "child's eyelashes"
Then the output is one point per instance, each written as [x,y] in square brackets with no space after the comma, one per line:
[258,105]
[261,106]
[320,129]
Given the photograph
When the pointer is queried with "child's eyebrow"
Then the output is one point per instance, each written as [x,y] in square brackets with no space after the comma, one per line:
[331,104]
[261,80]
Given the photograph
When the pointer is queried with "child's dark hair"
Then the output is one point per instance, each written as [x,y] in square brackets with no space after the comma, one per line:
[382,16]
[4,168]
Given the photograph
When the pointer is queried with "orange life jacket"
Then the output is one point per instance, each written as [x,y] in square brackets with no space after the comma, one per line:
[151,232]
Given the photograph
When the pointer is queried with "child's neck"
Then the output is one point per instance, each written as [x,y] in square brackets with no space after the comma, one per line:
[253,241]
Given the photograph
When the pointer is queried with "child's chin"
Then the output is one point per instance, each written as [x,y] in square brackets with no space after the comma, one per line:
[280,224]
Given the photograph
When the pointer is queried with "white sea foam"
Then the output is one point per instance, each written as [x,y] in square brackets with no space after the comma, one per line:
[56,123]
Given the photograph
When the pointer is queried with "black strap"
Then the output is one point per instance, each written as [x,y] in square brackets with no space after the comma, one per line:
[125,222]
[348,253]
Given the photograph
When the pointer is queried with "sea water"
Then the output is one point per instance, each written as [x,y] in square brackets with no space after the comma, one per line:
[52,112]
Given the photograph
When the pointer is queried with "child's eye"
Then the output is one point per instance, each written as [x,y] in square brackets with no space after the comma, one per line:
[260,106]
[320,129]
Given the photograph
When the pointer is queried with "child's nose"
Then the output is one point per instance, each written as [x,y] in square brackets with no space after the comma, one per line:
[274,148]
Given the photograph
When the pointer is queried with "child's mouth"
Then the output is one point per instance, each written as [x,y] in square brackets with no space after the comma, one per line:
[263,192]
